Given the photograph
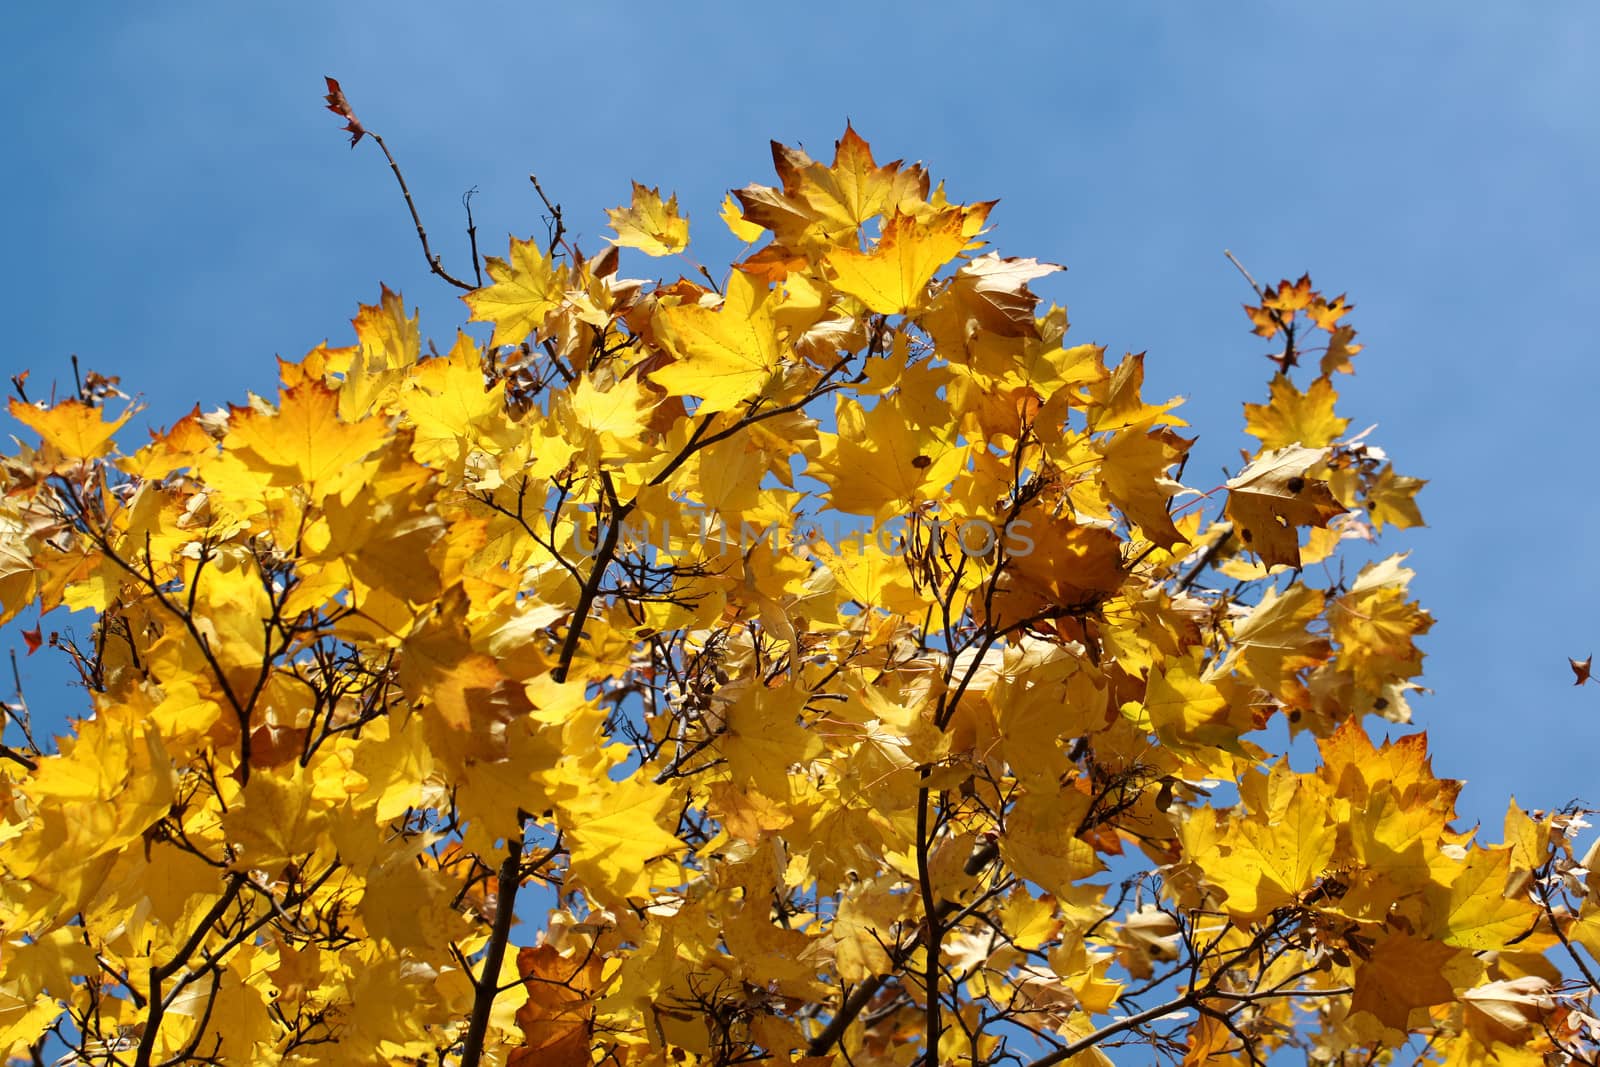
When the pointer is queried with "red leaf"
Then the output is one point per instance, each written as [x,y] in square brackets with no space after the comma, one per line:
[341,107]
[33,638]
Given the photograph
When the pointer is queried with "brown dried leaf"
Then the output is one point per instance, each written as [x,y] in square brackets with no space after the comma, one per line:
[339,105]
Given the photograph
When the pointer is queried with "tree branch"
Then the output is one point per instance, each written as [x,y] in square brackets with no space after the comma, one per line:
[487,987]
[159,974]
[339,105]
[434,263]
[930,909]
[1191,999]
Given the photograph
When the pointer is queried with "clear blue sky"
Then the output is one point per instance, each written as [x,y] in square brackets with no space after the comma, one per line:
[179,209]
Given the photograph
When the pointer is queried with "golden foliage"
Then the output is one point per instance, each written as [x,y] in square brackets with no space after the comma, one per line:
[777,664]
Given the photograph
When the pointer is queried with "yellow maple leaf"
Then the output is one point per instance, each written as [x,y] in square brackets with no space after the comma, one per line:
[738,225]
[1274,856]
[408,906]
[1290,296]
[305,442]
[1206,1043]
[23,1021]
[1397,838]
[1291,417]
[1474,911]
[617,832]
[1274,640]
[389,347]
[887,459]
[820,206]
[1187,711]
[871,574]
[525,289]
[892,279]
[1063,568]
[1135,477]
[727,353]
[1356,769]
[452,414]
[168,450]
[768,955]
[855,188]
[75,429]
[1326,314]
[1401,973]
[729,475]
[1341,346]
[1392,499]
[276,820]
[764,737]
[1376,626]
[106,787]
[1039,842]
[1526,838]
[620,410]
[649,224]
[466,697]
[1275,495]
[1115,401]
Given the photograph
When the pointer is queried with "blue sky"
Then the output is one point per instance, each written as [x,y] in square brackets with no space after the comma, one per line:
[180,209]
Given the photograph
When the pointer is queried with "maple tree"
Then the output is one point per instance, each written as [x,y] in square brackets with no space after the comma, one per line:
[508,705]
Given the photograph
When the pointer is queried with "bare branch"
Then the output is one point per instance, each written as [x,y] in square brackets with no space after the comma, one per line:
[341,107]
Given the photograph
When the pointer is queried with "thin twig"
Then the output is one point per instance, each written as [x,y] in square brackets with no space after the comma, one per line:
[558,228]
[1543,897]
[472,235]
[1286,359]
[1206,559]
[950,913]
[1235,261]
[339,104]
[422,234]
[20,713]
[1191,999]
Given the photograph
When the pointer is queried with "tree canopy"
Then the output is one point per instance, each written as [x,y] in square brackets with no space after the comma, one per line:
[822,662]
